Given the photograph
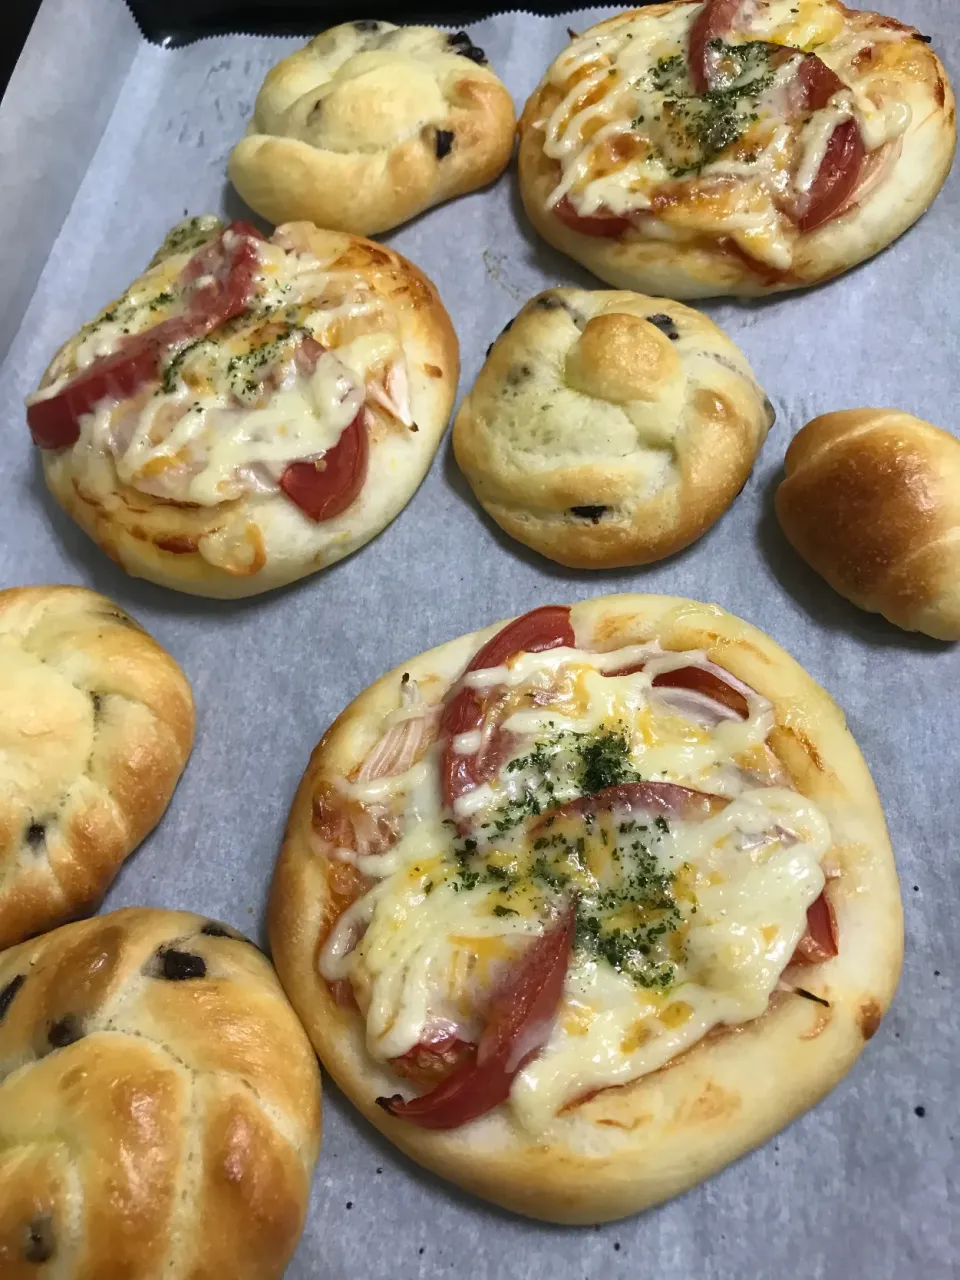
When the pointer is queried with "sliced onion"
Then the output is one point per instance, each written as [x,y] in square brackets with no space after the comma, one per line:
[393,396]
[775,776]
[696,706]
[404,742]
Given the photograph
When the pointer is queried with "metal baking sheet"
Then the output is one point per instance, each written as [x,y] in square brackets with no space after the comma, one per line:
[866,1185]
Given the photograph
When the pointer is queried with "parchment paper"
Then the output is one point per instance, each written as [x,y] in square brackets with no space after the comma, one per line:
[864,1186]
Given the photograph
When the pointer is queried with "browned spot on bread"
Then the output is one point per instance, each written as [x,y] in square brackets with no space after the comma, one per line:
[712,405]
[433,371]
[940,92]
[870,1016]
[714,1103]
[744,646]
[808,748]
[819,1024]
[614,630]
[362,253]
[90,499]
[627,1126]
[178,544]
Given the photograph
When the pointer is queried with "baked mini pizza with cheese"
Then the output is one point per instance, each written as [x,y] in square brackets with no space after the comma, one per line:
[370,124]
[578,909]
[737,147]
[249,410]
[608,428]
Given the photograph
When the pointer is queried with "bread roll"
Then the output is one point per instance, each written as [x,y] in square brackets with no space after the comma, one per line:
[370,124]
[871,500]
[96,723]
[159,1104]
[607,428]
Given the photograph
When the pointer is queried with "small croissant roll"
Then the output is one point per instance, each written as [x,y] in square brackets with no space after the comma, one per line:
[871,500]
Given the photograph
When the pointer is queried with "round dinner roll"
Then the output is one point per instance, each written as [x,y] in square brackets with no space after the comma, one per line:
[96,724]
[871,500]
[370,124]
[706,148]
[159,1104]
[609,429]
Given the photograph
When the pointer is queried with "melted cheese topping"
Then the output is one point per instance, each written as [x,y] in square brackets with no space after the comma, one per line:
[629,133]
[235,408]
[683,924]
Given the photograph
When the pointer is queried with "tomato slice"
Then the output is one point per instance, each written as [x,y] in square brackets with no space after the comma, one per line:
[226,267]
[820,942]
[602,223]
[541,629]
[429,1063]
[518,1023]
[837,178]
[666,798]
[55,422]
[713,22]
[325,488]
[818,82]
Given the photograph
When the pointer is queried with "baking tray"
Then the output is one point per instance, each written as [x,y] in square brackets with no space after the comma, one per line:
[95,167]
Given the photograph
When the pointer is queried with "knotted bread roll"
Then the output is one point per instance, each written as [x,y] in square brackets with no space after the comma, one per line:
[96,723]
[871,500]
[608,428]
[370,124]
[159,1104]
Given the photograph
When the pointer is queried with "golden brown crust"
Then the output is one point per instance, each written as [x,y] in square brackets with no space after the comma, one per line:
[633,1146]
[246,546]
[159,1104]
[602,439]
[96,726]
[369,125]
[676,264]
[871,500]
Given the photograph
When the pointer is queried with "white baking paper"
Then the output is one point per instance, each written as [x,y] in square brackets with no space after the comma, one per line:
[865,1185]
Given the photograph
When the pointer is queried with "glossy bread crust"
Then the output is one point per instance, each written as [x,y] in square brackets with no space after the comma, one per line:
[96,724]
[633,1146]
[871,500]
[609,429]
[159,1104]
[369,125]
[707,266]
[249,545]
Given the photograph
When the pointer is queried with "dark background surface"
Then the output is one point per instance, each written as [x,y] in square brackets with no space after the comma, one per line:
[18,16]
[178,21]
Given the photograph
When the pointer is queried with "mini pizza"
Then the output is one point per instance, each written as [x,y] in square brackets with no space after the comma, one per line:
[251,409]
[370,124]
[609,429]
[737,147]
[578,909]
[96,724]
[159,1104]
